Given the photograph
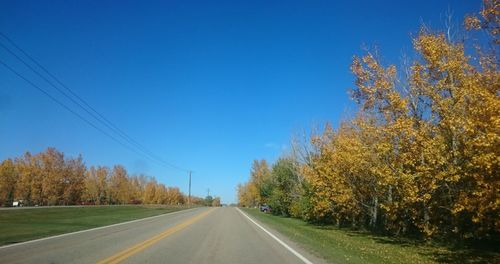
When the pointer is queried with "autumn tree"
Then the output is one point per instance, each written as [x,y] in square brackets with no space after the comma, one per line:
[149,196]
[259,175]
[137,187]
[8,177]
[248,194]
[283,185]
[242,194]
[256,191]
[216,202]
[161,194]
[174,196]
[119,186]
[73,181]
[26,174]
[96,185]
[420,155]
[49,178]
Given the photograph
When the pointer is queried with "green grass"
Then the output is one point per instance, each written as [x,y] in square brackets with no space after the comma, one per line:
[344,246]
[19,225]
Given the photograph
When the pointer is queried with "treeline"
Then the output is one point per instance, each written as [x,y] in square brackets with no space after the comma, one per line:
[421,155]
[49,178]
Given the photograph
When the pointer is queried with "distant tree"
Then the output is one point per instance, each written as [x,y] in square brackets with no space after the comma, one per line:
[8,178]
[196,200]
[283,186]
[174,196]
[161,194]
[150,190]
[25,167]
[49,178]
[138,185]
[216,202]
[119,186]
[257,190]
[52,172]
[248,194]
[73,181]
[208,200]
[259,176]
[95,185]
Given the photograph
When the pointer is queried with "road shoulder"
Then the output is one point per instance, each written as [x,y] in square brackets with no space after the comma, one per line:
[293,247]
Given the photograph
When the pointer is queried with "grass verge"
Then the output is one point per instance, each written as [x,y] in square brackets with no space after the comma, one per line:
[345,246]
[18,225]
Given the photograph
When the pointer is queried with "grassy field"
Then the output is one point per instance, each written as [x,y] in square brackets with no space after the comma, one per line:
[344,246]
[19,225]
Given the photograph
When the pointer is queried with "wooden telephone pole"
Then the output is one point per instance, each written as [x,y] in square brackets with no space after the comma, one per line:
[189,196]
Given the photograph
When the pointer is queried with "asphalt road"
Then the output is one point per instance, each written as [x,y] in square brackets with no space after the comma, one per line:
[201,235]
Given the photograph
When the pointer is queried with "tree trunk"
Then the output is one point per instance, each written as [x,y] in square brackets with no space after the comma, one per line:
[373,220]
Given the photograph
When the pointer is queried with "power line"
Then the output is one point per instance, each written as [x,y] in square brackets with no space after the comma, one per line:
[189,196]
[72,111]
[67,107]
[94,113]
[97,116]
[88,108]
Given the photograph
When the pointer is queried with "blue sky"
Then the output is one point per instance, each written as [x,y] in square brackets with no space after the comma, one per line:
[206,85]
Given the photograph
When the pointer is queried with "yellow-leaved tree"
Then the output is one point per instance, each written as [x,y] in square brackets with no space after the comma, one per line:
[422,153]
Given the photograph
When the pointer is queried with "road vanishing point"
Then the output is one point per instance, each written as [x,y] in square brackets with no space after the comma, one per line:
[199,235]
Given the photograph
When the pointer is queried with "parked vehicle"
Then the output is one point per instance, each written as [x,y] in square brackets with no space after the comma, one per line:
[265,208]
[19,203]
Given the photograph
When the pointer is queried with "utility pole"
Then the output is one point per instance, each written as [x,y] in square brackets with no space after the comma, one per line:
[189,197]
[208,192]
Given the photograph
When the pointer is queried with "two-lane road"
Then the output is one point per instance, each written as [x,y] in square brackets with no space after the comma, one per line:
[201,235]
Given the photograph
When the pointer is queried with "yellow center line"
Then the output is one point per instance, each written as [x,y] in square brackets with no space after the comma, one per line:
[121,256]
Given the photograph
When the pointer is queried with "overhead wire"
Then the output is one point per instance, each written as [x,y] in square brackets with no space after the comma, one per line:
[86,106]
[65,106]
[100,118]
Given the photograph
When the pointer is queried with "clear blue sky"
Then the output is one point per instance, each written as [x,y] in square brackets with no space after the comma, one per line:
[208,85]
